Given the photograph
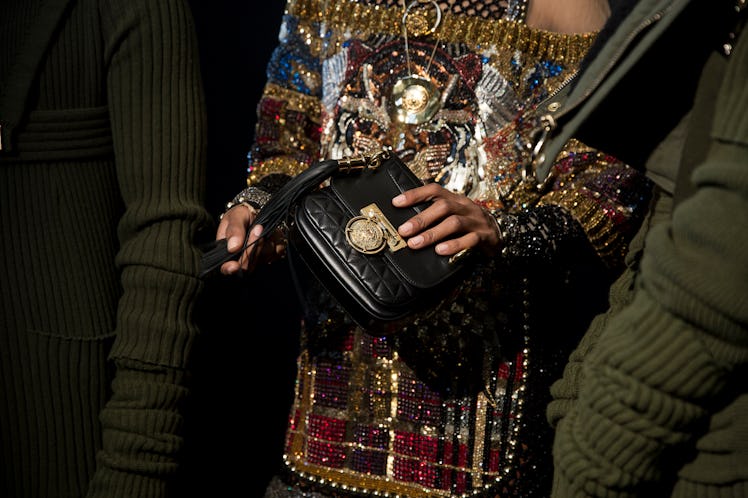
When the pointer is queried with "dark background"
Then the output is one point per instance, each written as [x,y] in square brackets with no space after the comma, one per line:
[236,40]
[245,358]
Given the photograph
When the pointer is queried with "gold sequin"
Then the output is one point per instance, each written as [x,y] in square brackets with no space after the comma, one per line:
[478,33]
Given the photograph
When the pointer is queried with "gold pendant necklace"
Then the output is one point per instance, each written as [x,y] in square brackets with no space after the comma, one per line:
[415,98]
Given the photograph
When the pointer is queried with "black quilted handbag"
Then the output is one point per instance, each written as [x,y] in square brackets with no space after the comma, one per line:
[346,234]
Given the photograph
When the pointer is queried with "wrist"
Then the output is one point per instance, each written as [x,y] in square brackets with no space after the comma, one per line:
[250,196]
[494,217]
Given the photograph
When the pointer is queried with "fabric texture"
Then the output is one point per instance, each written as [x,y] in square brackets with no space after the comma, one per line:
[101,177]
[653,402]
[453,404]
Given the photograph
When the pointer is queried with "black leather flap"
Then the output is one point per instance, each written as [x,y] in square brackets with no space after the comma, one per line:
[421,268]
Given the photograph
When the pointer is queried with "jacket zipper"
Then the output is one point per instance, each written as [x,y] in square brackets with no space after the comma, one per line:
[616,58]
[549,121]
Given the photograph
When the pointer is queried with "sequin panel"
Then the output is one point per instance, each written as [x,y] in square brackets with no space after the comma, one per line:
[331,385]
[325,445]
[370,452]
[421,470]
[418,403]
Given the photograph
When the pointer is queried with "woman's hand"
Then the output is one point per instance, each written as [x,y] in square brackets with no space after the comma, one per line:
[452,222]
[233,227]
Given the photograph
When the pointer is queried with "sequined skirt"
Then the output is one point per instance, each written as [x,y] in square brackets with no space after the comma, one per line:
[363,422]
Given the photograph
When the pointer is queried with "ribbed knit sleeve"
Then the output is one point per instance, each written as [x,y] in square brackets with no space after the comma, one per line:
[157,116]
[663,387]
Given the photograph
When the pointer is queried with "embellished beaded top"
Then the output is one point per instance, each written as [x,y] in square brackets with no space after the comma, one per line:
[451,405]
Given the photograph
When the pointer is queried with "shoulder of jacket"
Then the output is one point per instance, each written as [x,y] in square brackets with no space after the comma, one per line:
[629,33]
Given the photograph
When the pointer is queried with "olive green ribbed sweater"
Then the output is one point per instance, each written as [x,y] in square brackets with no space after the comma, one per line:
[97,254]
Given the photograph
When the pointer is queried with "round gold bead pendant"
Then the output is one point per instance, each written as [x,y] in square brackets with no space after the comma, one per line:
[415,100]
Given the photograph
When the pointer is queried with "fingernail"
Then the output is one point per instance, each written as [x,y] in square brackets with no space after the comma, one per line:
[405,228]
[257,231]
[441,248]
[416,241]
[399,200]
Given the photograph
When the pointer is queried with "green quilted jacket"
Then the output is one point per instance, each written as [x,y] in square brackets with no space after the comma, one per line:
[654,401]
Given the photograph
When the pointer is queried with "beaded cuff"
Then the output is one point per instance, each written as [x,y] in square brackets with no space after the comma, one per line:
[253,196]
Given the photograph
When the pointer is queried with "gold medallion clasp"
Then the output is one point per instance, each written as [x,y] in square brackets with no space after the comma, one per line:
[371,232]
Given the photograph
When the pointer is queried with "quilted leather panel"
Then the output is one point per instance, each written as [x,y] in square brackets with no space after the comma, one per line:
[378,280]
